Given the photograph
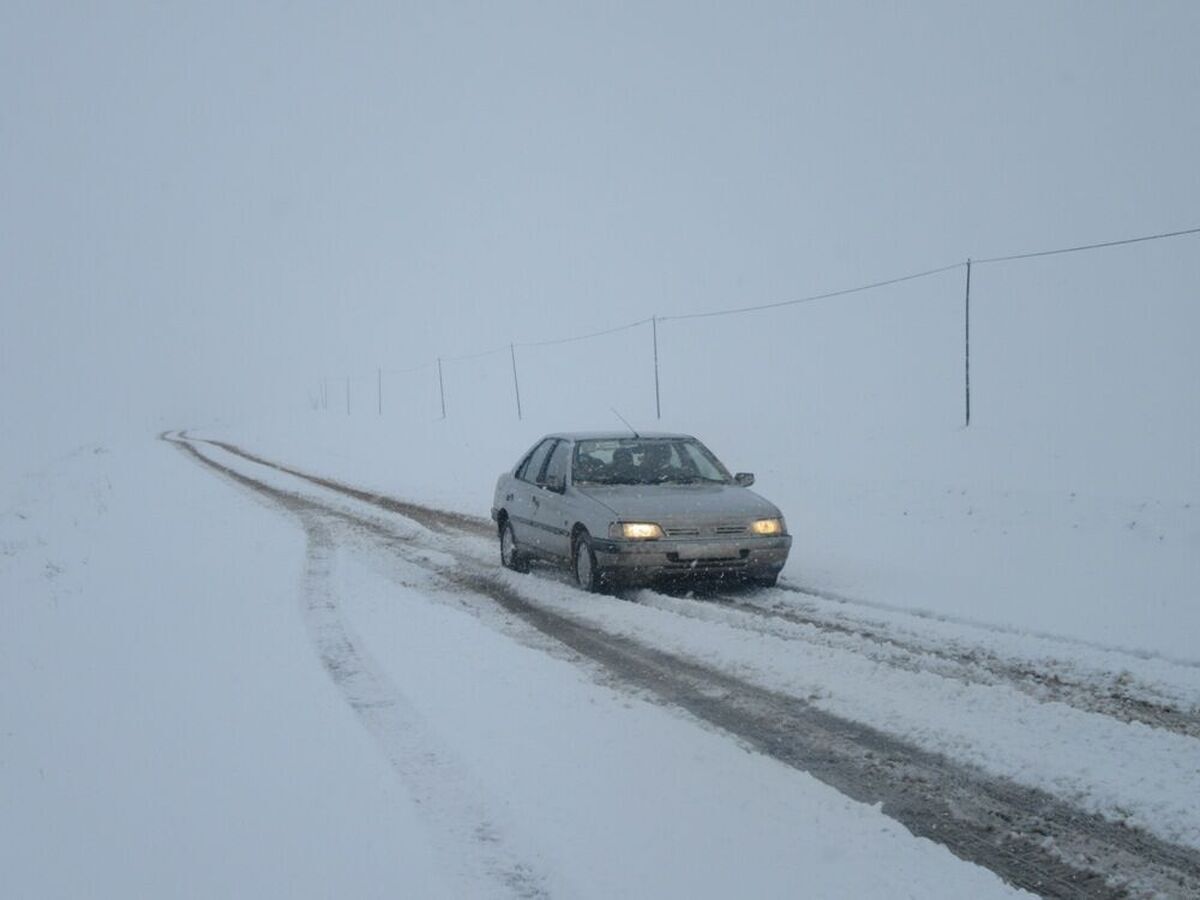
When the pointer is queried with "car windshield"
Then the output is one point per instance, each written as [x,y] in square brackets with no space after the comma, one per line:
[646,461]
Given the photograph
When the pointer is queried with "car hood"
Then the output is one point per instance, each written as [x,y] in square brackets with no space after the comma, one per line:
[663,503]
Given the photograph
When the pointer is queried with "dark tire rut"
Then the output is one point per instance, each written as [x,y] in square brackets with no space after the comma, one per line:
[1029,838]
[969,664]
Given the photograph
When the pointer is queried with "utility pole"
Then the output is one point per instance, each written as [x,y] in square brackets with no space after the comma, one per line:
[657,402]
[967,345]
[441,387]
[516,384]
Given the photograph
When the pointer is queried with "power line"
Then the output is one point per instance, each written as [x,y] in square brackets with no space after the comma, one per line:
[1134,240]
[927,273]
[478,355]
[809,299]
[764,306]
[583,337]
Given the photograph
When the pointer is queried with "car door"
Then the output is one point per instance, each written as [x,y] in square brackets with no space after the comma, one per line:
[523,487]
[550,511]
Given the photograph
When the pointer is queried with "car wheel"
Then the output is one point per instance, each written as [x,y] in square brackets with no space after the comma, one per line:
[767,581]
[510,556]
[585,564]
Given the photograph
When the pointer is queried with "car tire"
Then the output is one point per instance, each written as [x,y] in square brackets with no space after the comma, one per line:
[768,580]
[583,563]
[510,555]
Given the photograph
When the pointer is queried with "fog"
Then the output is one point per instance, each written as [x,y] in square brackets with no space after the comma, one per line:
[206,210]
[278,653]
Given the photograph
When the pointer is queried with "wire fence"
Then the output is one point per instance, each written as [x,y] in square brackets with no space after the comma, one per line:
[322,399]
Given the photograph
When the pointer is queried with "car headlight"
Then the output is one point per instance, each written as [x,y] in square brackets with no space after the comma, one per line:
[635,531]
[767,527]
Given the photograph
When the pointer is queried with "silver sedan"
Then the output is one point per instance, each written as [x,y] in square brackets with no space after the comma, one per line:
[623,509]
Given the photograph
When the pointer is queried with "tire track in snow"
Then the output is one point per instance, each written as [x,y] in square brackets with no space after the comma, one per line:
[471,837]
[1025,835]
[1048,682]
[435,519]
[1124,700]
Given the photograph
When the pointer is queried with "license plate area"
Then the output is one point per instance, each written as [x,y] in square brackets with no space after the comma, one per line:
[689,552]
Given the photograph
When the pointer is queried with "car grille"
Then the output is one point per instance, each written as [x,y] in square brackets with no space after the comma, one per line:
[685,531]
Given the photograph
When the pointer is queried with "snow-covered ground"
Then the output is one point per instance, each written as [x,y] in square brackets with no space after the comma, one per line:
[420,222]
[972,526]
[1124,770]
[165,730]
[241,700]
[171,728]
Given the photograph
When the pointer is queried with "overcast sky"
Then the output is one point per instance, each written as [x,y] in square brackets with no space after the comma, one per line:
[207,207]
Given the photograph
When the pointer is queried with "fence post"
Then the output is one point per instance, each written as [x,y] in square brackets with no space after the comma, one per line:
[657,401]
[441,387]
[516,384]
[967,346]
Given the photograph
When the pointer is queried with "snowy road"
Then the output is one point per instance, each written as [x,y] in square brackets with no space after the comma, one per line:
[1068,770]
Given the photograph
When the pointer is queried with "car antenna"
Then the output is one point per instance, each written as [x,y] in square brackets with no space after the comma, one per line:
[627,425]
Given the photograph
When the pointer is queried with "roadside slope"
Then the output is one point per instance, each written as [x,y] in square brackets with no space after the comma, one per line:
[166,729]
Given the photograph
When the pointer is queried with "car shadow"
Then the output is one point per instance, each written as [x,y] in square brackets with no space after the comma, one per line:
[708,588]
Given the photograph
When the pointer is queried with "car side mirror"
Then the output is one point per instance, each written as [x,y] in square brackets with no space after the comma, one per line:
[556,483]
[743,479]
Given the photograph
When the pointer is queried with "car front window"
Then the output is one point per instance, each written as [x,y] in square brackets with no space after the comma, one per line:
[646,461]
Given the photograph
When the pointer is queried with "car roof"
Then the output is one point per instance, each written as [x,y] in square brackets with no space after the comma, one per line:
[616,435]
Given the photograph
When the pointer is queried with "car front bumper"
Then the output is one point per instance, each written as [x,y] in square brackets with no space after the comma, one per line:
[649,560]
